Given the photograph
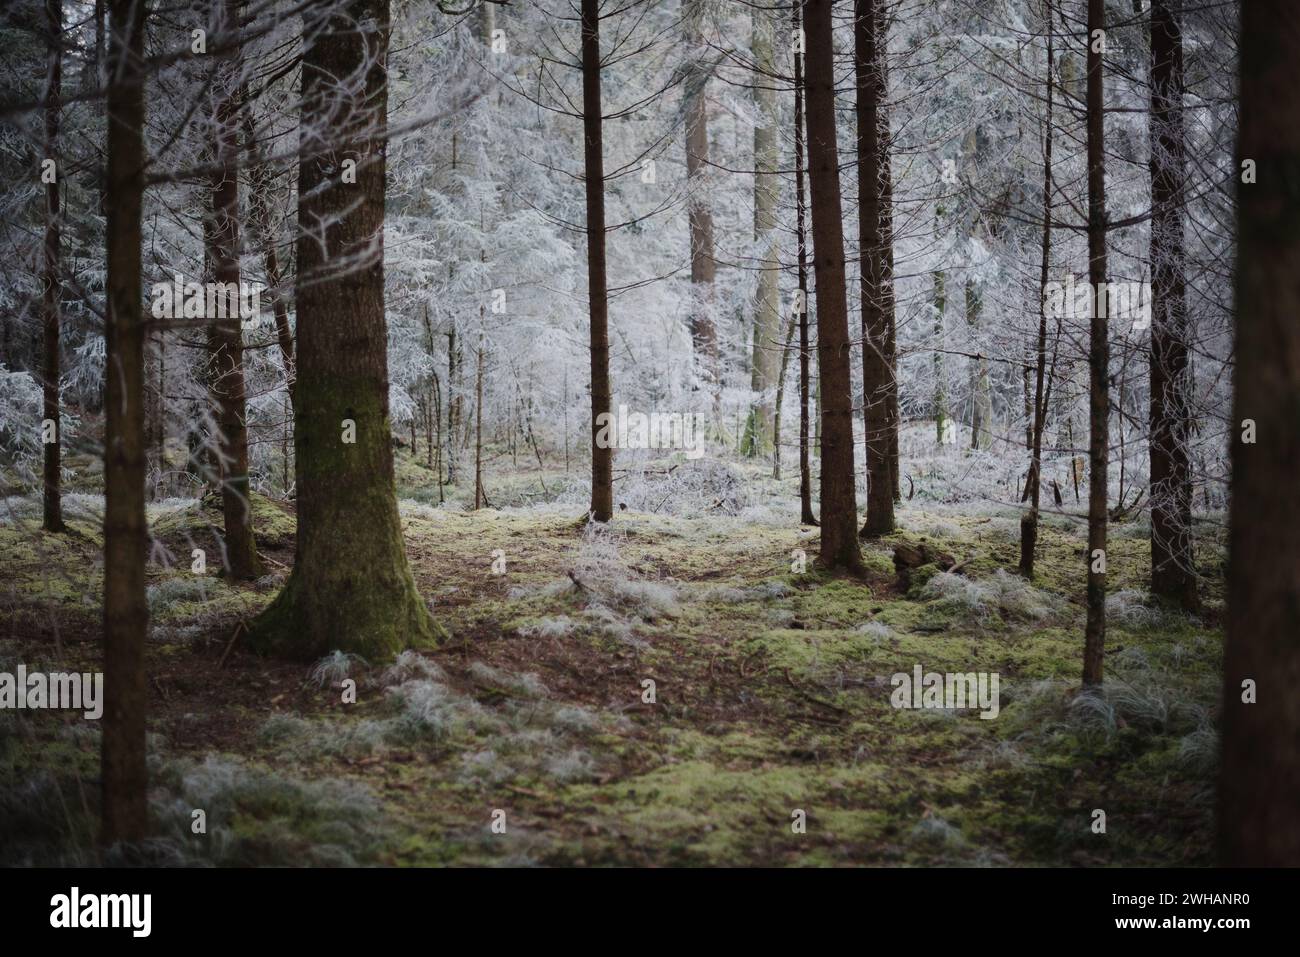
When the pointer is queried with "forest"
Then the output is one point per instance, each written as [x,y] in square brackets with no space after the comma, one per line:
[693,433]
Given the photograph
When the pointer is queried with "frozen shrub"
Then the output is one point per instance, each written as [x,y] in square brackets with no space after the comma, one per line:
[572,765]
[333,668]
[1130,609]
[647,600]
[1200,750]
[575,719]
[774,589]
[556,627]
[428,709]
[408,666]
[1002,593]
[725,595]
[877,631]
[960,593]
[527,684]
[174,591]
[935,831]
[486,766]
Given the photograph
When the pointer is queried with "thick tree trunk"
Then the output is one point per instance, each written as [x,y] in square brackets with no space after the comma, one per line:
[225,340]
[839,544]
[1098,360]
[126,612]
[877,365]
[1173,570]
[703,265]
[1260,778]
[767,312]
[806,516]
[52,284]
[351,588]
[602,459]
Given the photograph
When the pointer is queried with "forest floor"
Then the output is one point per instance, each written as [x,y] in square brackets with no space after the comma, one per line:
[772,695]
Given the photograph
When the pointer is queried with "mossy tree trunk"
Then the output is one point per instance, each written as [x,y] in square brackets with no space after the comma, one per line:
[1260,777]
[839,540]
[351,588]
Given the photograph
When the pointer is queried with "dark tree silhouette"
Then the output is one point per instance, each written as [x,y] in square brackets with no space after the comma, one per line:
[126,612]
[1260,778]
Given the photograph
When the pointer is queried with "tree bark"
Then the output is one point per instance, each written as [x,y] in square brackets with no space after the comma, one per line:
[602,459]
[704,334]
[1029,521]
[1098,359]
[124,775]
[839,542]
[981,398]
[767,313]
[887,284]
[259,203]
[1260,778]
[876,363]
[351,588]
[52,284]
[225,339]
[1173,570]
[940,395]
[806,516]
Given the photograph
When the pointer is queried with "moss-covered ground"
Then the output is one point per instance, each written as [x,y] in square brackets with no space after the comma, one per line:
[770,703]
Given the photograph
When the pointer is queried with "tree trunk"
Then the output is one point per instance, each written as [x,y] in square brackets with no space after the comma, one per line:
[1260,779]
[602,459]
[259,204]
[225,342]
[887,284]
[453,403]
[806,516]
[479,496]
[767,312]
[981,399]
[1029,521]
[703,266]
[124,776]
[1098,360]
[351,588]
[940,396]
[1173,570]
[52,285]
[876,363]
[839,543]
